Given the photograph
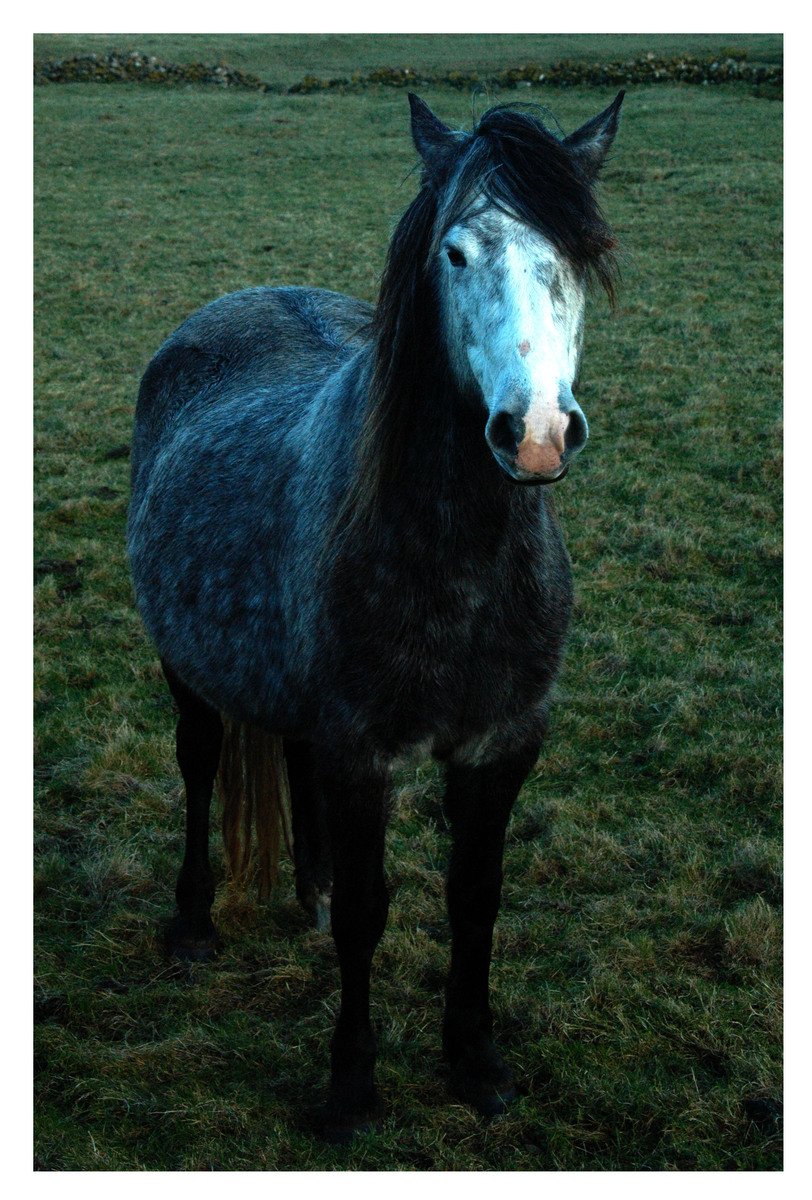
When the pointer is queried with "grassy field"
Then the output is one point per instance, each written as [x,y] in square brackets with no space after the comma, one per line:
[282,59]
[638,961]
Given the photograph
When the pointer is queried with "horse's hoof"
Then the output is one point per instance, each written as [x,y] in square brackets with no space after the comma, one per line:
[192,943]
[317,906]
[488,1099]
[338,1123]
[485,1082]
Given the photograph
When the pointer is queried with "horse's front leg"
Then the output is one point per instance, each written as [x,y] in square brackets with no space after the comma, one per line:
[478,802]
[356,802]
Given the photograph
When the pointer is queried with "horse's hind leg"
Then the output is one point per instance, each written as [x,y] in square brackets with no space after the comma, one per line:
[191,934]
[478,802]
[311,836]
[356,805]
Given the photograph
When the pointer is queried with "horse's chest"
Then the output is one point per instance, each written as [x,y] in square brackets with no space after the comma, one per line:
[445,662]
[477,649]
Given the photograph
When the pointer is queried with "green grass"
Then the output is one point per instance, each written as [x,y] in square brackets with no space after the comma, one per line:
[638,960]
[282,59]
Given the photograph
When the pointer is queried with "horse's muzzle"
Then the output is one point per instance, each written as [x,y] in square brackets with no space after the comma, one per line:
[529,458]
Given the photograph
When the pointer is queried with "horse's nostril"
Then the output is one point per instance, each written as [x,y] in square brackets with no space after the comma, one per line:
[505,431]
[576,434]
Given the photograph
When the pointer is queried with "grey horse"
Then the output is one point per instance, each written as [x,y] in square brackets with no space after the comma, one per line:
[344,548]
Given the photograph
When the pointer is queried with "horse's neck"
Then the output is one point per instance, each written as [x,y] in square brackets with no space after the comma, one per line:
[441,498]
[451,497]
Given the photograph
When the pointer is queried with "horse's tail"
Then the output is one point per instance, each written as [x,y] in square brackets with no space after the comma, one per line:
[253,784]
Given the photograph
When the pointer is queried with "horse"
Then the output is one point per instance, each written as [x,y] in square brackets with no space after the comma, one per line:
[344,548]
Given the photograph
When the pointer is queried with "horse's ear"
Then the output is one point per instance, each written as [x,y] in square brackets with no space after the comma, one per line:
[589,144]
[434,141]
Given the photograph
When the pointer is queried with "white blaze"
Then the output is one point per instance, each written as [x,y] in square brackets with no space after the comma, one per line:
[515,315]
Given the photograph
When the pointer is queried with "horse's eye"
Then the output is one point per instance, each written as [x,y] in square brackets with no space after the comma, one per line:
[456,257]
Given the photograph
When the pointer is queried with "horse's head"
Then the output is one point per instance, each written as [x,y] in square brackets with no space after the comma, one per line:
[515,311]
[517,234]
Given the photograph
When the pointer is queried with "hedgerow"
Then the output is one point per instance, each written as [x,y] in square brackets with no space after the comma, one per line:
[141,68]
[144,68]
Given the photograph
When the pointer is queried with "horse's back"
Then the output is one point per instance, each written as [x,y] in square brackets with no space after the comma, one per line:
[272,339]
[227,498]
